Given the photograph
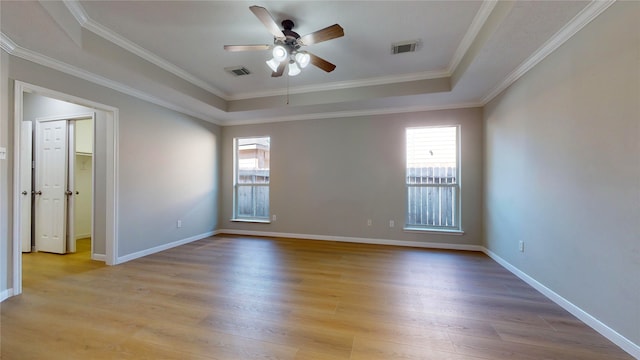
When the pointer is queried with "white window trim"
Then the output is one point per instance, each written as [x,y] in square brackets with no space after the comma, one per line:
[443,231]
[235,217]
[457,230]
[248,220]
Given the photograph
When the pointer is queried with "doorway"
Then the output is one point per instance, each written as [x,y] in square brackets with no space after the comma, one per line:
[82,187]
[103,165]
[59,211]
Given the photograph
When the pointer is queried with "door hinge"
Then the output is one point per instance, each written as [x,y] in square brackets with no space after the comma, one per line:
[33,164]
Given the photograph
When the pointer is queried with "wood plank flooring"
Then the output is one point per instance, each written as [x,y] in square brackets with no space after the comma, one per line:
[231,297]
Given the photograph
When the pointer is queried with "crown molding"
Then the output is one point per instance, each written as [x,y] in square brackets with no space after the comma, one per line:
[353,113]
[13,49]
[86,22]
[477,23]
[469,37]
[584,17]
[7,44]
[590,12]
[341,85]
[78,12]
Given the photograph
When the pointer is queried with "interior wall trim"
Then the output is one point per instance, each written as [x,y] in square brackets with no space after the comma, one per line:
[581,20]
[99,257]
[155,249]
[4,295]
[604,330]
[81,16]
[353,113]
[429,245]
[470,36]
[16,50]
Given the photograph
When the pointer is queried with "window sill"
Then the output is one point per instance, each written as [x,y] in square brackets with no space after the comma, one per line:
[259,221]
[434,231]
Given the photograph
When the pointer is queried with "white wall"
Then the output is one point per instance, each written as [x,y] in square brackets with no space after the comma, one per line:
[168,172]
[84,136]
[329,176]
[562,171]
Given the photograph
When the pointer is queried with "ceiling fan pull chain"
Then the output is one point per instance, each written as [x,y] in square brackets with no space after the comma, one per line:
[288,89]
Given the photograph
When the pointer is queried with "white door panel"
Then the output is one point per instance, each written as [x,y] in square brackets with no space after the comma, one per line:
[51,185]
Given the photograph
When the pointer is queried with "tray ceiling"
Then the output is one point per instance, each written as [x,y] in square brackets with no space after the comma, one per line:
[171,52]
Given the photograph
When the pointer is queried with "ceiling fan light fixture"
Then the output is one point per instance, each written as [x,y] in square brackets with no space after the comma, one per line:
[303,59]
[294,69]
[287,42]
[279,53]
[273,64]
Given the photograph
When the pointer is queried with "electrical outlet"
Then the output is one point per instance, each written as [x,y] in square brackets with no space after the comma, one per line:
[369,222]
[274,217]
[392,223]
[179,224]
[521,246]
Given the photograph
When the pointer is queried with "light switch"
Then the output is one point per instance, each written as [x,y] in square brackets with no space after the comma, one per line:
[3,153]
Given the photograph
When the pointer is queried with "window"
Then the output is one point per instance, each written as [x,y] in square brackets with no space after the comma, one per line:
[251,178]
[432,178]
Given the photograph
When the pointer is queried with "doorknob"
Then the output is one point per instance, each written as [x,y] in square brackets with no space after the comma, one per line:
[24,192]
[68,192]
[38,193]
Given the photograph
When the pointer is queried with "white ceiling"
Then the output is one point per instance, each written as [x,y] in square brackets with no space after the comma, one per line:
[171,52]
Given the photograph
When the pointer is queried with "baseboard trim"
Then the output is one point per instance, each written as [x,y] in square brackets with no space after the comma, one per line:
[83,236]
[429,245]
[153,250]
[604,330]
[4,295]
[99,257]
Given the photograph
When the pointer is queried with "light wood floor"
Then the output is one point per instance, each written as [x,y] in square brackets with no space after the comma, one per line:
[254,298]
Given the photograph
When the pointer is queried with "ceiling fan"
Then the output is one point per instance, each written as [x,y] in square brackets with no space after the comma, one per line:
[287,44]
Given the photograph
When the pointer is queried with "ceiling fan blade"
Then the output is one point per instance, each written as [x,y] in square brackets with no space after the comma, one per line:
[263,15]
[328,33]
[321,63]
[280,70]
[246,47]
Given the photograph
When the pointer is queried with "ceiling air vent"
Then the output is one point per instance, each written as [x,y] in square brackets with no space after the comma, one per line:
[404,47]
[238,70]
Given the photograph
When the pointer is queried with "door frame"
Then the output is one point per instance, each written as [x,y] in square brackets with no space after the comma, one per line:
[111,170]
[26,187]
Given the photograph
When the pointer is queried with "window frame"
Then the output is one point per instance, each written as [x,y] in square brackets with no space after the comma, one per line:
[456,228]
[236,216]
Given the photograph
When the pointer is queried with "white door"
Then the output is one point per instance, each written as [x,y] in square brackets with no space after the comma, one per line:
[51,186]
[26,158]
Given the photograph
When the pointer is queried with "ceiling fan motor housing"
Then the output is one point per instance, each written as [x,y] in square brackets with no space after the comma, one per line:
[291,37]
